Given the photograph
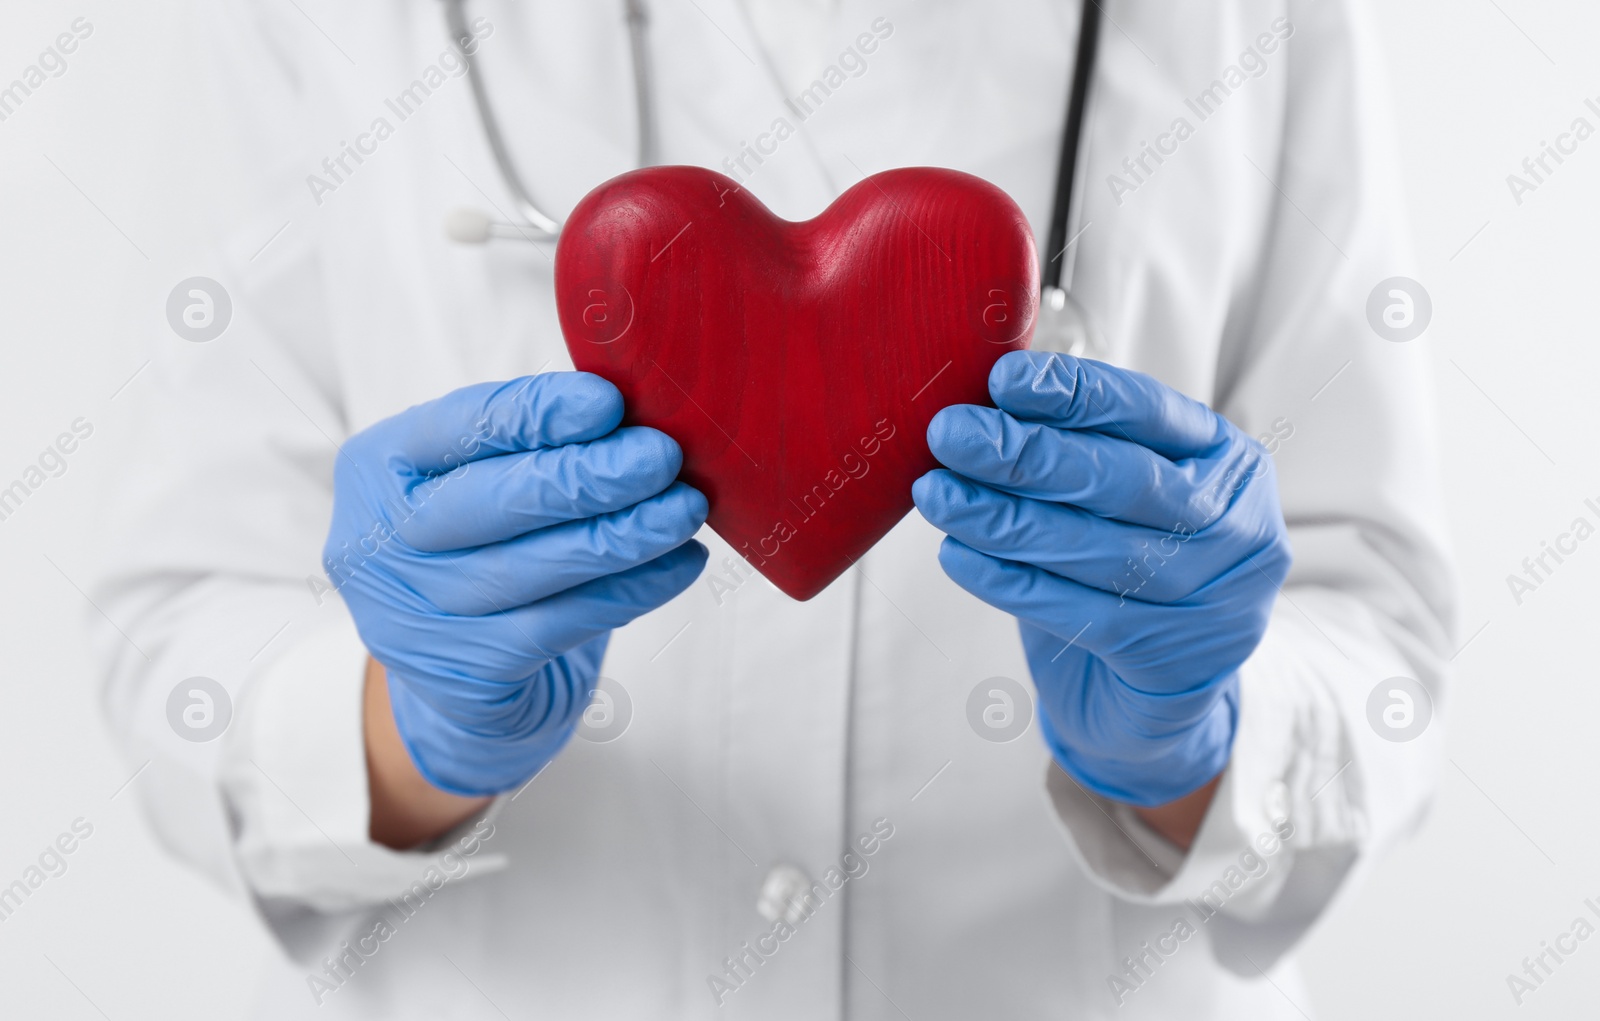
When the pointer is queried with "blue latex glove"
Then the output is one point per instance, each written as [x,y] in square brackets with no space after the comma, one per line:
[1136,535]
[486,543]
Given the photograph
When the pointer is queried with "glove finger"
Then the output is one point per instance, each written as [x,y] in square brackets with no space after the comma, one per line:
[488,419]
[475,658]
[1101,474]
[502,497]
[512,644]
[494,578]
[1077,393]
[1130,561]
[605,604]
[1155,648]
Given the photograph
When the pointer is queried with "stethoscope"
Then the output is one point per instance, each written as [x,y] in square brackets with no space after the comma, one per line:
[1061,324]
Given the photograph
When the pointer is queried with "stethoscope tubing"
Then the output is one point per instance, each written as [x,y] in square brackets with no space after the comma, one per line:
[1059,315]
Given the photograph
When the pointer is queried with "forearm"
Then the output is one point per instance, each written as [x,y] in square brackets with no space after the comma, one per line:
[406,809]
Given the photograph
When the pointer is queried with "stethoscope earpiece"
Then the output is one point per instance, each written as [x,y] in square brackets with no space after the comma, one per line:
[468,226]
[1061,325]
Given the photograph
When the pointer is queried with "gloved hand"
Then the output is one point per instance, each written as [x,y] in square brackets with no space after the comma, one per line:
[1136,535]
[486,544]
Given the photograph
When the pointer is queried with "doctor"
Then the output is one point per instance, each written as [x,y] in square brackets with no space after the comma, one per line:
[1080,739]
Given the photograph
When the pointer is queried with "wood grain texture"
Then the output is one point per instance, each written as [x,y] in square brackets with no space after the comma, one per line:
[798,364]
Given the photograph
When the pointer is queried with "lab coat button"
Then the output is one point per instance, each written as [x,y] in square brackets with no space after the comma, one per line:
[783,894]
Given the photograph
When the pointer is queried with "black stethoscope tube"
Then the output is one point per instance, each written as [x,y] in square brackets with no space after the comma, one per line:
[1071,143]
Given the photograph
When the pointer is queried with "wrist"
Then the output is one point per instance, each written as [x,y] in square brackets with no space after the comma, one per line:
[1152,771]
[490,738]
[1177,822]
[407,810]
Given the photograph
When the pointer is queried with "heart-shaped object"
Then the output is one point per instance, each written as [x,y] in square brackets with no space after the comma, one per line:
[797,364]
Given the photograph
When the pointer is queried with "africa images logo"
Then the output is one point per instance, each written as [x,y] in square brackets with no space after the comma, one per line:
[199,309]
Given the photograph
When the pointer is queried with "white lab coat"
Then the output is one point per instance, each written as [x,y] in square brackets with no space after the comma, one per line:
[766,732]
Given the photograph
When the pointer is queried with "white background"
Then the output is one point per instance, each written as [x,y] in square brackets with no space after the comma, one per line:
[1504,862]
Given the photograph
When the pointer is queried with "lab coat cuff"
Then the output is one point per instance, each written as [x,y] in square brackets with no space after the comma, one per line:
[1240,854]
[296,779]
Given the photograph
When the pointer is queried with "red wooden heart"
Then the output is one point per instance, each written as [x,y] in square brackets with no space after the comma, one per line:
[797,364]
